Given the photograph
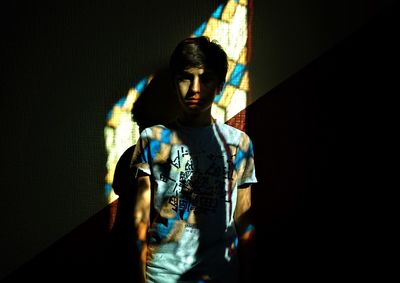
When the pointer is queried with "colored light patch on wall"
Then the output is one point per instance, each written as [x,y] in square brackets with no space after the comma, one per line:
[237,75]
[228,25]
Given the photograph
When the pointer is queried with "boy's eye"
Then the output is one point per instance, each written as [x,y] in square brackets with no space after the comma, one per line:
[184,77]
[208,78]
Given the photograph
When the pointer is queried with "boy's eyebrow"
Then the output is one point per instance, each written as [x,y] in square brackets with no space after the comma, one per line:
[184,73]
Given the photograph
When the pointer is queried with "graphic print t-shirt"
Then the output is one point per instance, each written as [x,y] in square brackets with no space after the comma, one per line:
[196,174]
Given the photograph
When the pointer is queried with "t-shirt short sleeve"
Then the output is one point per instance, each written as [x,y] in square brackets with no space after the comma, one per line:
[140,161]
[245,162]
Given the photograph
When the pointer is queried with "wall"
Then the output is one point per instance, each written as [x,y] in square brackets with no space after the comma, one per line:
[67,63]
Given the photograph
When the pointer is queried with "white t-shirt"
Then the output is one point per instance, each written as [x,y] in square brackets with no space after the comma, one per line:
[196,174]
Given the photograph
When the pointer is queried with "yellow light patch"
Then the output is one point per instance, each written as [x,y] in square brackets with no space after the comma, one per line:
[131,99]
[231,66]
[109,176]
[229,11]
[243,56]
[164,153]
[115,118]
[226,96]
[112,197]
[232,35]
[211,26]
[245,82]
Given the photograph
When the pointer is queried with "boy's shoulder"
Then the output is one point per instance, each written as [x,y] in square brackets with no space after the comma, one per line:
[232,130]
[151,129]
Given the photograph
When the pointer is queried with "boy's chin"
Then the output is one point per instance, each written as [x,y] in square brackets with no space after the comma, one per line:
[195,109]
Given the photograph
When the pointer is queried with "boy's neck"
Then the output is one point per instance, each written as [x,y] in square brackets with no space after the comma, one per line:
[196,121]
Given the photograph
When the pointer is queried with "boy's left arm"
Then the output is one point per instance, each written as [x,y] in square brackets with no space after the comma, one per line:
[245,231]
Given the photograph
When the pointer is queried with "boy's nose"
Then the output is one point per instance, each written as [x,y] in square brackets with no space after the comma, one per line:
[195,86]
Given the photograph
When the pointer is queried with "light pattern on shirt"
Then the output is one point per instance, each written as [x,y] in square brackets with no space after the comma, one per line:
[196,172]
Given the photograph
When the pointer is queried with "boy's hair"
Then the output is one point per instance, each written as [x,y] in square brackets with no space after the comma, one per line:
[199,52]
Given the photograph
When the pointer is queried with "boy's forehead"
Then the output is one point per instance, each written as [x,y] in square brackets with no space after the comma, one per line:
[197,69]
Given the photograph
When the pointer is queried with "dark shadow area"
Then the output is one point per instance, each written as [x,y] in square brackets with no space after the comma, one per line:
[208,206]
[158,104]
[65,65]
[322,139]
[83,253]
[103,247]
[123,252]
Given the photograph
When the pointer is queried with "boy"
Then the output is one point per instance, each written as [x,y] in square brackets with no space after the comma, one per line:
[193,178]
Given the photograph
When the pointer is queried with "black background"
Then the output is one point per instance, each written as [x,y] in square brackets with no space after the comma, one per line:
[65,64]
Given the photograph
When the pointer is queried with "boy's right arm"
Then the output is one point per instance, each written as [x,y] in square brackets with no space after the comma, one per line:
[142,219]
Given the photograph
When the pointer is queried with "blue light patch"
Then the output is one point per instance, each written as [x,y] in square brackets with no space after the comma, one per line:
[217,13]
[249,228]
[164,229]
[139,244]
[146,156]
[107,189]
[217,98]
[250,147]
[154,148]
[109,115]
[121,102]
[166,136]
[199,31]
[237,74]
[239,158]
[184,213]
[141,85]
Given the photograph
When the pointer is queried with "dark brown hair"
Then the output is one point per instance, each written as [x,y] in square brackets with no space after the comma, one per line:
[199,52]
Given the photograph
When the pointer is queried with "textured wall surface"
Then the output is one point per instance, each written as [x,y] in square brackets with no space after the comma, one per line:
[67,63]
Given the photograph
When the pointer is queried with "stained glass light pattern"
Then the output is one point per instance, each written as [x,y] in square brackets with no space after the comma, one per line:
[228,25]
[120,132]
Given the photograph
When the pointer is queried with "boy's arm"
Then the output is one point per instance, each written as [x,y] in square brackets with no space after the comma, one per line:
[142,219]
[245,230]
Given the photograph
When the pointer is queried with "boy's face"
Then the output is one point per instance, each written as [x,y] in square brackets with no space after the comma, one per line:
[197,88]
